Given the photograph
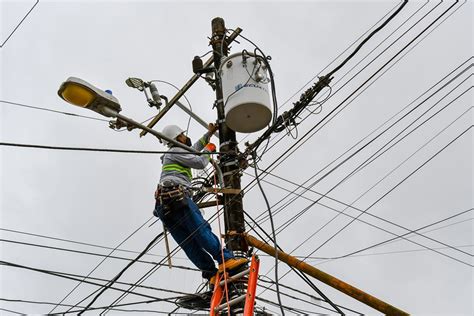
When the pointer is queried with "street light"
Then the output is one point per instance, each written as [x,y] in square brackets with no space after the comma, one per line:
[81,93]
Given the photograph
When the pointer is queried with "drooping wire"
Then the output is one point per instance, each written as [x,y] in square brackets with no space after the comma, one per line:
[103,260]
[18,25]
[297,272]
[184,95]
[367,38]
[51,110]
[273,231]
[358,168]
[109,284]
[90,253]
[124,151]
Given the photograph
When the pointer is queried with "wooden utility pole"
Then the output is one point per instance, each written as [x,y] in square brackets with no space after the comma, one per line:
[233,208]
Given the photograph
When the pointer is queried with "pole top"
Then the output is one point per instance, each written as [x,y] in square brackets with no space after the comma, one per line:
[218,25]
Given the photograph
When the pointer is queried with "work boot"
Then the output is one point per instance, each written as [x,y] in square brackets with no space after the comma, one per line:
[212,282]
[232,263]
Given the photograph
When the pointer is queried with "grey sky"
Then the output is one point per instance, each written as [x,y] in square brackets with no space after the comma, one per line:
[101,198]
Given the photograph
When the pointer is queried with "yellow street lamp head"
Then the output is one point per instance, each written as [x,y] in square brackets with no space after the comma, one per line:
[81,93]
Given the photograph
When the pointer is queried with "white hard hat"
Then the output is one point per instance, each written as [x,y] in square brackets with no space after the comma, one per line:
[171,131]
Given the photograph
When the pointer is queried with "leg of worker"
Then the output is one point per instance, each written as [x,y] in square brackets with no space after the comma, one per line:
[174,222]
[204,235]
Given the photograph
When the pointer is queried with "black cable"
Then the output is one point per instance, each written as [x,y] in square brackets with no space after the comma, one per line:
[367,38]
[90,254]
[396,186]
[72,241]
[184,95]
[273,231]
[393,124]
[103,260]
[10,311]
[125,151]
[108,285]
[365,163]
[18,25]
[299,273]
[53,111]
[65,276]
[360,165]
[381,125]
[367,80]
[360,210]
[408,233]
[379,135]
[78,276]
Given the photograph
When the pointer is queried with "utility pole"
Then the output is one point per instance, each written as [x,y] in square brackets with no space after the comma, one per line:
[233,207]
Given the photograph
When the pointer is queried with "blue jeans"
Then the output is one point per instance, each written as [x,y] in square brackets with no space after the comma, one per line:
[194,235]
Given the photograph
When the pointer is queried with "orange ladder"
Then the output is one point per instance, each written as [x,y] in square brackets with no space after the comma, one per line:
[249,297]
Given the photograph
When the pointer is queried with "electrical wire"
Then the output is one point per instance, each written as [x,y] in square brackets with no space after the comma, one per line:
[184,95]
[370,78]
[124,151]
[18,25]
[364,163]
[273,232]
[359,166]
[74,242]
[65,276]
[297,272]
[367,38]
[109,284]
[373,139]
[385,129]
[52,111]
[90,254]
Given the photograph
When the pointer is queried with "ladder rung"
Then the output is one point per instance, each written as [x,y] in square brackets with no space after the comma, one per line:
[235,277]
[231,302]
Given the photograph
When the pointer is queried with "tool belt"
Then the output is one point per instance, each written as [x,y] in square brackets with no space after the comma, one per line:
[171,196]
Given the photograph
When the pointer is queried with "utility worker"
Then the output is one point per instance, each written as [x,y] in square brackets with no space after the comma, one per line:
[180,215]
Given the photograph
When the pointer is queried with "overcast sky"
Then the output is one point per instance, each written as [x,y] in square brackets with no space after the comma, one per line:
[101,198]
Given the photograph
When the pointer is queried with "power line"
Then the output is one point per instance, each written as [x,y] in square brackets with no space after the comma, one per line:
[398,184]
[403,138]
[364,164]
[74,242]
[358,168]
[103,260]
[53,111]
[18,25]
[126,151]
[378,128]
[90,254]
[384,131]
[65,276]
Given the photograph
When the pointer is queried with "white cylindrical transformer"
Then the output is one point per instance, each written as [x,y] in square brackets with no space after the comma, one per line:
[246,96]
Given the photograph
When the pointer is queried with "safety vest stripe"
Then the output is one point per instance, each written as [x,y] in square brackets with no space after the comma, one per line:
[178,168]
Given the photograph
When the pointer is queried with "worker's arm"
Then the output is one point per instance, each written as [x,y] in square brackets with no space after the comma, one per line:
[204,140]
[190,160]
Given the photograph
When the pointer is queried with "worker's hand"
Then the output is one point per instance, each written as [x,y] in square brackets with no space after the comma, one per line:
[212,128]
[210,147]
